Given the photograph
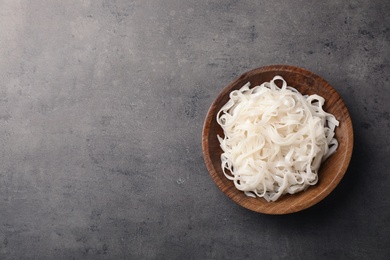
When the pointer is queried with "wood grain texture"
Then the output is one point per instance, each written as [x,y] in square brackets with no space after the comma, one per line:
[331,171]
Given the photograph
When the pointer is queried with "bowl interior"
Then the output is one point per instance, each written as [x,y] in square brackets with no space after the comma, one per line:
[330,172]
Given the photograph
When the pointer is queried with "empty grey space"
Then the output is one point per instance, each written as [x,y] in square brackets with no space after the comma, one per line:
[102,106]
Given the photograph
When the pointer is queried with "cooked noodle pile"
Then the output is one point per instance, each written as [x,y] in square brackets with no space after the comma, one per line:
[274,139]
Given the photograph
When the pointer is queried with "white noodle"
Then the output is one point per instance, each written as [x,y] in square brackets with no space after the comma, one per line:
[274,139]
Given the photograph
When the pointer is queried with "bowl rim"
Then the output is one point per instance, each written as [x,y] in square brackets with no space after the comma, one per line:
[273,207]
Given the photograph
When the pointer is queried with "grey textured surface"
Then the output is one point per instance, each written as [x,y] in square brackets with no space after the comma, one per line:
[101,111]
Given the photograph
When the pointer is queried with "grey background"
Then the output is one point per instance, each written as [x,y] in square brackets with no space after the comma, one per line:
[101,111]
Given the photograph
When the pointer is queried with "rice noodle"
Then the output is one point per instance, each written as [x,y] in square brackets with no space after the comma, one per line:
[274,139]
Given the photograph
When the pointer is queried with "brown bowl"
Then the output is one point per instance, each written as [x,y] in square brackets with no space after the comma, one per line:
[330,172]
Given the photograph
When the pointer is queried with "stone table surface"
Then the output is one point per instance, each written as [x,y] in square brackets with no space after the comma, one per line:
[102,105]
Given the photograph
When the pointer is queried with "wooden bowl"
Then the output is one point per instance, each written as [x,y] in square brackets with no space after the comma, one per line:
[330,172]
